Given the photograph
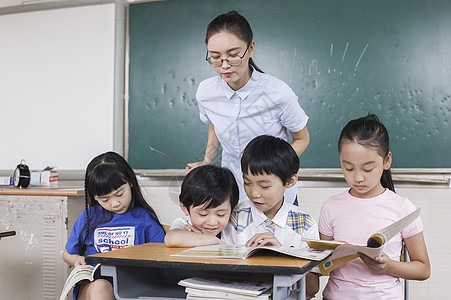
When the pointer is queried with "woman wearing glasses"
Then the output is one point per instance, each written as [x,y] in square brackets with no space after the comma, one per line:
[242,102]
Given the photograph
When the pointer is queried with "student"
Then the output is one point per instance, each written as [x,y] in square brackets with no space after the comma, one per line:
[369,205]
[270,166]
[208,196]
[242,102]
[116,216]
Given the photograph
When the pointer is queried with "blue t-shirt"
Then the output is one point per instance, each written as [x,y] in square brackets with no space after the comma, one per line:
[123,230]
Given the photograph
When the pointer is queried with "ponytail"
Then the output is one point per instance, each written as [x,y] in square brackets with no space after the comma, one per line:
[251,63]
[387,181]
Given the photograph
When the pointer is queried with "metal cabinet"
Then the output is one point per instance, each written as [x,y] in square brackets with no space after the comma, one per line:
[31,266]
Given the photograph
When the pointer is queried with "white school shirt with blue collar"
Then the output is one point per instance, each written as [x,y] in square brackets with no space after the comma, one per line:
[291,224]
[265,105]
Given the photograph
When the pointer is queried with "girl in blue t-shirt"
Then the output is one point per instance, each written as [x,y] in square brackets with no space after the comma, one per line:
[116,216]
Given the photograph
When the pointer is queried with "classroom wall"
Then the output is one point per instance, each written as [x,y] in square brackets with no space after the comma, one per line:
[162,194]
[58,85]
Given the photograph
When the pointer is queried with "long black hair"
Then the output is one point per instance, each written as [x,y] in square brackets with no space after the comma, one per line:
[236,24]
[369,132]
[106,173]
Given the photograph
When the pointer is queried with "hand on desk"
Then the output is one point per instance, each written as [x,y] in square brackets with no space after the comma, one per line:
[263,239]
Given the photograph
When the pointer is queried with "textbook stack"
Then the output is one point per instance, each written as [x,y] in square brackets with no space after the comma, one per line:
[228,286]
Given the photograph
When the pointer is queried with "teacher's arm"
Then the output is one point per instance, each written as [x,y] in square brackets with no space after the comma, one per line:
[210,152]
[301,140]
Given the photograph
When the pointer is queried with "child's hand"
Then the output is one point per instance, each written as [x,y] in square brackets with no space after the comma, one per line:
[379,264]
[80,261]
[263,239]
[189,227]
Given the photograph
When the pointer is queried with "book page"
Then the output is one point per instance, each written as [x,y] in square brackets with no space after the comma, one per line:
[233,251]
[215,251]
[390,231]
[201,294]
[242,283]
[304,253]
[322,244]
[79,273]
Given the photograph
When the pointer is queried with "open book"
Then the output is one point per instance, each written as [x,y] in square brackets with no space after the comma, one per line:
[79,273]
[228,286]
[345,252]
[232,251]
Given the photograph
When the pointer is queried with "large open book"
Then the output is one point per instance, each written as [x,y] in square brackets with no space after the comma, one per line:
[79,273]
[344,252]
[232,251]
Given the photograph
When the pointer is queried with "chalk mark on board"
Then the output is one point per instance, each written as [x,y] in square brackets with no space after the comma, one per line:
[292,64]
[360,58]
[313,64]
[344,53]
[331,49]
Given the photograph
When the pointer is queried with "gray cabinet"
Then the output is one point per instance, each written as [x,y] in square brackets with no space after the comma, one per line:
[30,262]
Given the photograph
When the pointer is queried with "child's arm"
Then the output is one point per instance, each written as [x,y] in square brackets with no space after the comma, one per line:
[73,259]
[418,268]
[325,237]
[184,238]
[263,239]
[312,283]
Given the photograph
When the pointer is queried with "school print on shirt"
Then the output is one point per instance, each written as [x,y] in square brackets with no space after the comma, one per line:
[113,238]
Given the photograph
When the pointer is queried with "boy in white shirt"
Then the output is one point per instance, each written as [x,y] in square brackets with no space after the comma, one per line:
[270,166]
[208,195]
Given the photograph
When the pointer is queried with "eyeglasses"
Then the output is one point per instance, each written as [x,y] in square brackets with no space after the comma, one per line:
[234,60]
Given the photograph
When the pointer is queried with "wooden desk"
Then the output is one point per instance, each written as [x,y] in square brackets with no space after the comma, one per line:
[45,191]
[148,271]
[5,233]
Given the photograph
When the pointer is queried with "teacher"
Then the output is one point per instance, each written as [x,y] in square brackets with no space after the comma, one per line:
[242,102]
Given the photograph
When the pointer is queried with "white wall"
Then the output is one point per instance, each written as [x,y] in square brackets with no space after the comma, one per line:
[57,86]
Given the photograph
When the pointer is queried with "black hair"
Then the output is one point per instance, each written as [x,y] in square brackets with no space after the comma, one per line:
[209,185]
[369,132]
[270,155]
[106,173]
[236,24]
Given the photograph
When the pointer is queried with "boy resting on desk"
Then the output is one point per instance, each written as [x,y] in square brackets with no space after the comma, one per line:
[270,166]
[208,195]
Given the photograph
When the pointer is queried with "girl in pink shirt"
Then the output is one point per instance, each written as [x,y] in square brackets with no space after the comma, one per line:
[369,205]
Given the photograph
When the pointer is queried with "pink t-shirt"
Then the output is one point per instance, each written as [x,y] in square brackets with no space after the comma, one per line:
[350,219]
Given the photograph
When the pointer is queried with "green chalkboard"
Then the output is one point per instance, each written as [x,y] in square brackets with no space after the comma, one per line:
[342,59]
